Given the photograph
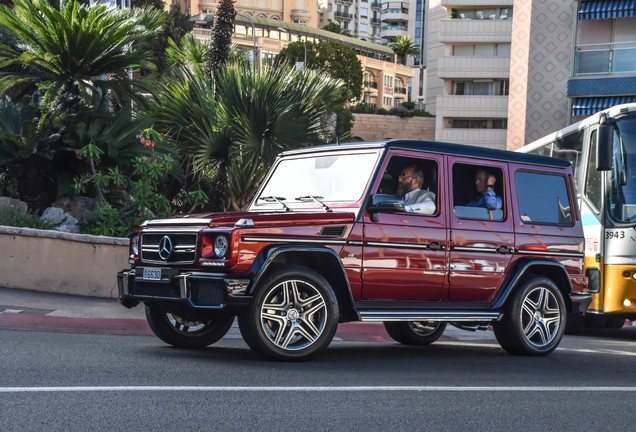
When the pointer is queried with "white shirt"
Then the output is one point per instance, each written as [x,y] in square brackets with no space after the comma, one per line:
[420,201]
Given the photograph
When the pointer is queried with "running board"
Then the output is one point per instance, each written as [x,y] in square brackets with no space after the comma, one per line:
[451,316]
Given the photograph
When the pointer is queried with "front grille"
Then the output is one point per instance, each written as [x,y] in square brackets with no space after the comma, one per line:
[183,248]
[159,290]
[207,292]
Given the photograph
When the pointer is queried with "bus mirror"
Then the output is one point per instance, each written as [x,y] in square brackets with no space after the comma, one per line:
[604,152]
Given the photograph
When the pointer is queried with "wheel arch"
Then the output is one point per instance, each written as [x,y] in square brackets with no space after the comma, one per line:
[523,270]
[322,260]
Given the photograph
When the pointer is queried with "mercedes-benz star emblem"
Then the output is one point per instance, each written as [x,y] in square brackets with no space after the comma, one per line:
[165,248]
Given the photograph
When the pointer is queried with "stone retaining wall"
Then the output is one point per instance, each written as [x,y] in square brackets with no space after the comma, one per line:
[374,127]
[43,260]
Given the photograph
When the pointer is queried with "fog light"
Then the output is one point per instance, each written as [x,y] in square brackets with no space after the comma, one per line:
[627,303]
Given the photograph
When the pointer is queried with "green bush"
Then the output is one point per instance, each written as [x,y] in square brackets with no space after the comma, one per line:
[13,217]
[409,105]
[417,113]
[400,112]
[382,111]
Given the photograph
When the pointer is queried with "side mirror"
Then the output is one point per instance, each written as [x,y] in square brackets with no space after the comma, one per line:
[604,150]
[385,203]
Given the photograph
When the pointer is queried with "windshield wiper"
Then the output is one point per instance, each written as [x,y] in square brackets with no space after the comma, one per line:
[279,200]
[314,198]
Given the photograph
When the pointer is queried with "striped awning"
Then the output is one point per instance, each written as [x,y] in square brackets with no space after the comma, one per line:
[592,105]
[606,9]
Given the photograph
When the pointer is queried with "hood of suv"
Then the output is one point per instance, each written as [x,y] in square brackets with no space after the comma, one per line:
[259,219]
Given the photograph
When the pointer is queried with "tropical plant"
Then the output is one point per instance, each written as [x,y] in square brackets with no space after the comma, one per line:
[334,58]
[222,30]
[334,27]
[75,52]
[403,46]
[239,124]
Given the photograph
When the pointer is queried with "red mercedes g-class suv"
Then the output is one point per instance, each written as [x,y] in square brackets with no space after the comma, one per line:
[494,238]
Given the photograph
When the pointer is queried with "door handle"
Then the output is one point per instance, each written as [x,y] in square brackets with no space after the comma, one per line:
[505,250]
[436,246]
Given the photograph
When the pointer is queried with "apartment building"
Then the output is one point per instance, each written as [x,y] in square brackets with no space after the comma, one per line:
[385,81]
[303,12]
[361,18]
[604,60]
[469,47]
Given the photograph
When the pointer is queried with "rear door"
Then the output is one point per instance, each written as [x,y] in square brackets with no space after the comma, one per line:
[481,240]
[405,254]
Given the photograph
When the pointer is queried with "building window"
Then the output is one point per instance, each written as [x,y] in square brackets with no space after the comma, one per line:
[481,88]
[479,123]
[388,81]
[364,13]
[364,28]
[482,50]
[483,14]
[388,101]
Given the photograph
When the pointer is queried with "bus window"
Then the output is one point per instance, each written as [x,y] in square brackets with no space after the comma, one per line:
[622,190]
[593,179]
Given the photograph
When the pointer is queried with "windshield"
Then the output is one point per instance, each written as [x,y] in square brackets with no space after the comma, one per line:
[318,179]
[622,190]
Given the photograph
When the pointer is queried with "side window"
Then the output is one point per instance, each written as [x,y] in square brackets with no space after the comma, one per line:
[593,177]
[543,198]
[478,192]
[414,180]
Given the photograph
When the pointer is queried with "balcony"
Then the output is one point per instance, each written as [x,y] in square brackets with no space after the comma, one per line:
[395,16]
[371,84]
[491,138]
[472,106]
[376,4]
[605,58]
[473,67]
[348,2]
[375,21]
[343,15]
[392,31]
[448,4]
[475,31]
[300,13]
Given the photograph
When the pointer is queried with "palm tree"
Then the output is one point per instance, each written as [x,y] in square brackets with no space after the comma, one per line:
[76,51]
[239,124]
[403,46]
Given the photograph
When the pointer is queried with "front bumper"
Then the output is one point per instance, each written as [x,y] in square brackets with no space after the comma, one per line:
[198,290]
[579,303]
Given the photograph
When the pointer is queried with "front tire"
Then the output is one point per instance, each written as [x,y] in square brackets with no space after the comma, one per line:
[419,333]
[534,319]
[179,332]
[294,315]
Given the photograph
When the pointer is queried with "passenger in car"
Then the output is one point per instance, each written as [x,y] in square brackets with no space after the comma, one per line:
[416,200]
[485,186]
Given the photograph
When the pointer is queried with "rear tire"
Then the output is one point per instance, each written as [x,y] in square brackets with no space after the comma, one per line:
[534,319]
[419,333]
[180,332]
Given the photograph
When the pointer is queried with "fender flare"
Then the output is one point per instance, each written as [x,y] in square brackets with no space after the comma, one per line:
[269,255]
[520,269]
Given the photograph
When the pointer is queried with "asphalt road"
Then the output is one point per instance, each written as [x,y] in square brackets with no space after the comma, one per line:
[79,382]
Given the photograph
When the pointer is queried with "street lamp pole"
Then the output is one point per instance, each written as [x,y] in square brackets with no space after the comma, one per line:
[254,58]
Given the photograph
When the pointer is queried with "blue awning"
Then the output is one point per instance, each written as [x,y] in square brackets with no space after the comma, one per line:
[607,9]
[592,105]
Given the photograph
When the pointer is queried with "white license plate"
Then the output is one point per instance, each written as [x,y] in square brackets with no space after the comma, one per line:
[151,274]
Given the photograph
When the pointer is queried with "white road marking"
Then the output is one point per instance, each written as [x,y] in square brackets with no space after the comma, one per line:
[316,389]
[11,311]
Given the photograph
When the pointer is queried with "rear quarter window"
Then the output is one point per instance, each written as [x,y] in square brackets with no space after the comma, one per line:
[543,198]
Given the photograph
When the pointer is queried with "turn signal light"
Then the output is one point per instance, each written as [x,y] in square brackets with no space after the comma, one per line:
[627,303]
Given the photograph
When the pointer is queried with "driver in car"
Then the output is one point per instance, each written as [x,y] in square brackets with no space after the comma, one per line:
[416,200]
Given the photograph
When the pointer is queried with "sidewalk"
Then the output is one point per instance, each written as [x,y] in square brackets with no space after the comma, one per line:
[25,310]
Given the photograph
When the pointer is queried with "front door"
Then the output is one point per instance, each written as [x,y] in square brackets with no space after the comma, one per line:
[405,253]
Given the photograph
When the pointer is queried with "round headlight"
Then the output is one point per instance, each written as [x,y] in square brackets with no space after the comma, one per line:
[134,244]
[220,246]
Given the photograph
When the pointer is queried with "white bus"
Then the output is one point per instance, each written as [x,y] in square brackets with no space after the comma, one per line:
[602,149]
